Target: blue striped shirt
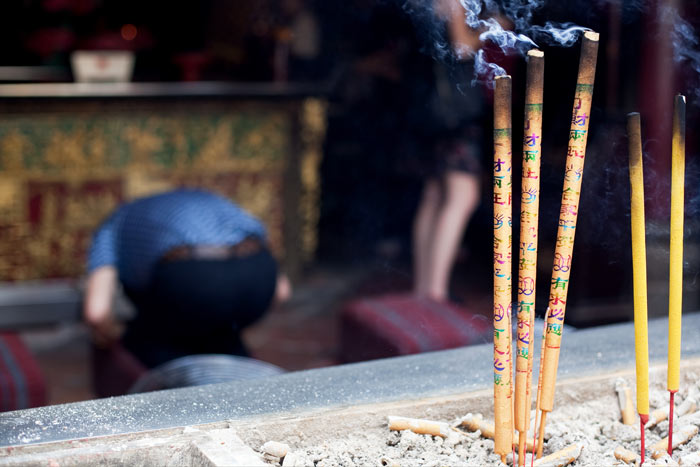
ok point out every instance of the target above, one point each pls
(137, 234)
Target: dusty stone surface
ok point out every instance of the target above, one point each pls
(586, 412)
(591, 418)
(213, 446)
(456, 375)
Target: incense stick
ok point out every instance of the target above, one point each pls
(502, 239)
(529, 215)
(684, 435)
(561, 458)
(561, 269)
(539, 439)
(474, 422)
(624, 397)
(675, 293)
(420, 426)
(639, 271)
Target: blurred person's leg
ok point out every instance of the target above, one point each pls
(462, 196)
(423, 234)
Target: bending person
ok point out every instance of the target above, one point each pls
(196, 267)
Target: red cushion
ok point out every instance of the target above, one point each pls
(21, 381)
(401, 324)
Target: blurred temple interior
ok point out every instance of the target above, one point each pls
(319, 117)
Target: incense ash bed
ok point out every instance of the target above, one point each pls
(585, 430)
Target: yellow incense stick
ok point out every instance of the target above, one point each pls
(639, 262)
(502, 285)
(675, 293)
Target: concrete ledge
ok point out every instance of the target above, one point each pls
(445, 373)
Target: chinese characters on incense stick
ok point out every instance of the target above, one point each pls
(502, 197)
(527, 269)
(563, 253)
(502, 292)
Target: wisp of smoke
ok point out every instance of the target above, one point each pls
(506, 40)
(482, 15)
(485, 69)
(685, 44)
(564, 35)
(488, 17)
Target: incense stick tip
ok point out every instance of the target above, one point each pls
(632, 114)
(591, 35)
(502, 77)
(535, 53)
(644, 418)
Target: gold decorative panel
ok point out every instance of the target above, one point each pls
(65, 168)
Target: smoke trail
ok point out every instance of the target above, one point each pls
(564, 35)
(686, 55)
(685, 45)
(524, 37)
(507, 24)
(489, 16)
(506, 40)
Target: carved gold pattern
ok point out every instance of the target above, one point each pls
(313, 130)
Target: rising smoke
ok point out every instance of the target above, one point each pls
(523, 36)
(521, 33)
(489, 17)
(685, 46)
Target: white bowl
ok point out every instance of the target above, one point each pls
(102, 65)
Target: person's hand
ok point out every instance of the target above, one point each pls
(97, 307)
(283, 289)
(105, 332)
